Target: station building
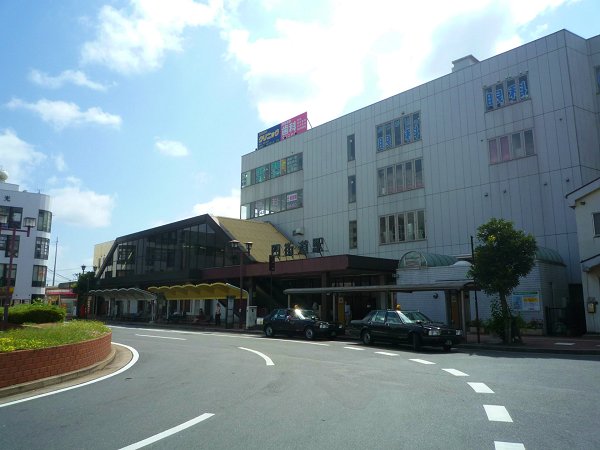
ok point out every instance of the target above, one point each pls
(378, 207)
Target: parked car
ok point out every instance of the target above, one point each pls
(304, 322)
(408, 327)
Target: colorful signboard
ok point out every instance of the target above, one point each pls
(293, 126)
(526, 301)
(289, 128)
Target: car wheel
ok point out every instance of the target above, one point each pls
(269, 332)
(309, 333)
(447, 348)
(366, 337)
(415, 341)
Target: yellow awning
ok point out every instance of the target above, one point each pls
(204, 291)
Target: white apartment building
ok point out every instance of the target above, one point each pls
(30, 257)
(506, 137)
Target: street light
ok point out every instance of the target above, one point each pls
(235, 244)
(29, 223)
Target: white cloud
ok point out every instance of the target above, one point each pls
(171, 148)
(75, 77)
(18, 157)
(320, 63)
(74, 205)
(220, 206)
(59, 162)
(136, 39)
(63, 114)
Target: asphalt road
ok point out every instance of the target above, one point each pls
(229, 391)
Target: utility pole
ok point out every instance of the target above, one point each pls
(55, 252)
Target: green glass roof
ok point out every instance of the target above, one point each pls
(549, 256)
(414, 259)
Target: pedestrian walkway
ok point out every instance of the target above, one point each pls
(584, 345)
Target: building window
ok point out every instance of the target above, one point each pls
(272, 205)
(400, 131)
(44, 222)
(596, 224)
(42, 248)
(400, 177)
(350, 147)
(14, 216)
(5, 244)
(39, 276)
(513, 146)
(402, 227)
(272, 170)
(512, 90)
(125, 254)
(352, 189)
(4, 274)
(353, 234)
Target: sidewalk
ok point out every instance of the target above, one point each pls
(585, 345)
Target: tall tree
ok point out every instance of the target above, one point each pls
(503, 256)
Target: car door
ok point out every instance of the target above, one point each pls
(377, 326)
(278, 321)
(395, 329)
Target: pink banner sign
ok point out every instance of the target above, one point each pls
(293, 126)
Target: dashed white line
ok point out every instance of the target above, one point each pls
(498, 445)
(456, 373)
(355, 348)
(422, 361)
(481, 388)
(564, 343)
(161, 337)
(268, 360)
(387, 353)
(169, 432)
(497, 413)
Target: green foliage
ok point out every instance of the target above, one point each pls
(504, 256)
(35, 313)
(35, 337)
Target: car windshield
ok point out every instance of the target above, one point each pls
(415, 316)
(306, 314)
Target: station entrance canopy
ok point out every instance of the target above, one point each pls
(204, 291)
(464, 285)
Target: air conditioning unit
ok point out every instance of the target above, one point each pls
(298, 231)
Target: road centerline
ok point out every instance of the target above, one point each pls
(268, 360)
(480, 388)
(456, 373)
(421, 361)
(497, 413)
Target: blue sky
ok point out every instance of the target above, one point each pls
(135, 113)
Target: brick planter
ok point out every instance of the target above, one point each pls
(23, 366)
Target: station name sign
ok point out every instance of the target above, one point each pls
(284, 130)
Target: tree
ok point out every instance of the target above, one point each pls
(502, 258)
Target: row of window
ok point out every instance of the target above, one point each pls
(38, 278)
(15, 218)
(400, 177)
(400, 131)
(511, 90)
(512, 146)
(272, 205)
(42, 246)
(272, 170)
(402, 227)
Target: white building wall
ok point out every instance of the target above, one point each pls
(461, 189)
(32, 203)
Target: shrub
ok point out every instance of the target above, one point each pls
(35, 313)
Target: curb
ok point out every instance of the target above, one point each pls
(526, 349)
(44, 382)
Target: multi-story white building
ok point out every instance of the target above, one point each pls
(506, 137)
(30, 257)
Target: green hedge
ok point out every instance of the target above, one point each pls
(36, 313)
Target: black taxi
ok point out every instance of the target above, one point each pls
(297, 321)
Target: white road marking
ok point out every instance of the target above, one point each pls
(481, 388)
(421, 361)
(169, 432)
(268, 360)
(354, 348)
(456, 373)
(135, 358)
(497, 413)
(564, 343)
(387, 353)
(161, 337)
(498, 445)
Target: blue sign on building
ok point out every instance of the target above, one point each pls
(269, 136)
